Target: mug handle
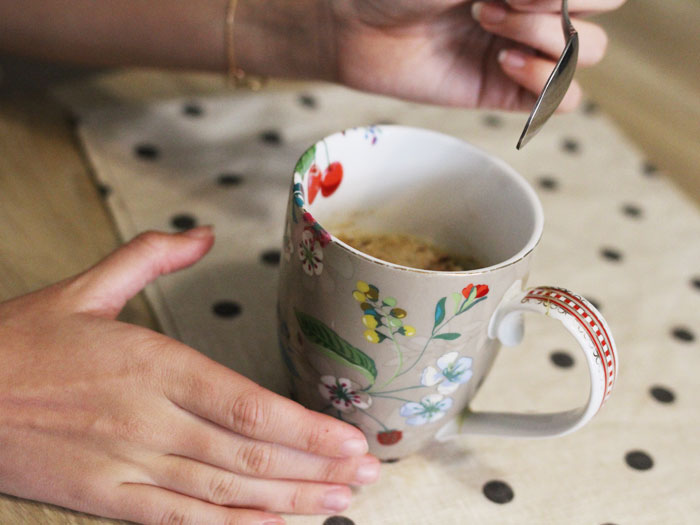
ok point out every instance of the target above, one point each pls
(591, 332)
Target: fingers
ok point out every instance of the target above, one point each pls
(221, 487)
(108, 285)
(216, 393)
(541, 31)
(154, 505)
(531, 73)
(575, 6)
(217, 446)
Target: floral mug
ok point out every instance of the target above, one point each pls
(400, 352)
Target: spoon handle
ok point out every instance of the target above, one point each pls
(566, 24)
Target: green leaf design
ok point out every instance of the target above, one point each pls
(456, 299)
(335, 347)
(305, 162)
(466, 306)
(468, 303)
(440, 311)
(450, 336)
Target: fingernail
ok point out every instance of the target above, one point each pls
(336, 499)
(511, 59)
(199, 232)
(274, 522)
(488, 13)
(367, 473)
(354, 447)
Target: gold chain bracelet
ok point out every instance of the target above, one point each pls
(236, 76)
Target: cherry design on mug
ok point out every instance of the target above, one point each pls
(389, 437)
(314, 183)
(332, 178)
(327, 182)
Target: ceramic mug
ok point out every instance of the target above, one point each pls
(400, 352)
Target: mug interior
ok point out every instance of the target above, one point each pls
(422, 183)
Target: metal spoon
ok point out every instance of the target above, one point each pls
(557, 83)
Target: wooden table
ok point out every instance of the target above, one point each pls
(53, 222)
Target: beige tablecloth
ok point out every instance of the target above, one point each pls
(616, 231)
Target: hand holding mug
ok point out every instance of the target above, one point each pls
(120, 421)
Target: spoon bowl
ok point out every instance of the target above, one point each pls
(557, 84)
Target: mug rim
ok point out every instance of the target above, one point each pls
(522, 183)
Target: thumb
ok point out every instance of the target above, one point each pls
(107, 286)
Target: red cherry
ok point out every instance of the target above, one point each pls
(389, 437)
(314, 183)
(332, 178)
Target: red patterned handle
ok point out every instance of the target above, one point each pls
(581, 313)
(593, 335)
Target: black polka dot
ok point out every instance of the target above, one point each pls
(649, 169)
(611, 254)
(632, 210)
(695, 282)
(271, 137)
(390, 460)
(562, 359)
(662, 394)
(308, 101)
(183, 221)
(146, 151)
(271, 257)
(548, 183)
(590, 108)
(229, 179)
(683, 334)
(493, 121)
(104, 190)
(595, 303)
(192, 109)
(639, 460)
(498, 492)
(570, 145)
(338, 520)
(226, 309)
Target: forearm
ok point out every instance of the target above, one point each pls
(271, 37)
(289, 38)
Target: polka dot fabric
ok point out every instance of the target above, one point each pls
(615, 228)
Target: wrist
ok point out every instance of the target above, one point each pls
(279, 38)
